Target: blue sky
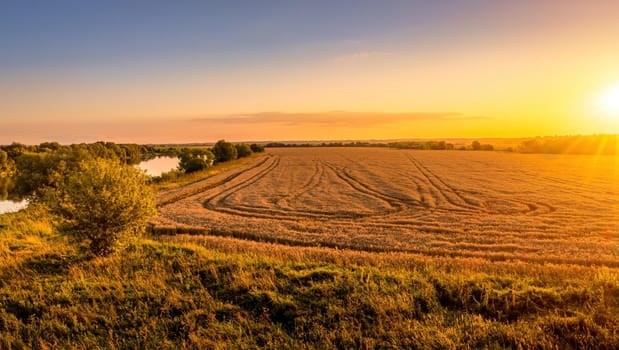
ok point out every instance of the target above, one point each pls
(40, 35)
(79, 61)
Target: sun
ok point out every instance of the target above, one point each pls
(608, 102)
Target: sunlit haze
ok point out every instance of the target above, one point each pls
(199, 71)
(609, 101)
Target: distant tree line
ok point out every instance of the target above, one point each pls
(478, 146)
(196, 159)
(422, 145)
(419, 145)
(127, 153)
(325, 144)
(590, 144)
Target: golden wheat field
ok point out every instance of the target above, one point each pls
(492, 205)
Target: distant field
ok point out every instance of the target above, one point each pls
(492, 205)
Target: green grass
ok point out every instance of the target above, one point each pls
(160, 294)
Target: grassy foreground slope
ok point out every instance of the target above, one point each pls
(213, 292)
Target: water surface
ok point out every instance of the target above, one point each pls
(159, 165)
(8, 206)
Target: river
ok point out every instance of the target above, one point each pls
(159, 165)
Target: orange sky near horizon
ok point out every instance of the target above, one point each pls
(543, 74)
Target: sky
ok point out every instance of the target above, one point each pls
(150, 71)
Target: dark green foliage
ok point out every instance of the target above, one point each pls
(15, 149)
(243, 150)
(423, 145)
(49, 146)
(194, 164)
(4, 159)
(6, 187)
(132, 153)
(6, 164)
(256, 148)
(195, 159)
(37, 172)
(224, 151)
(277, 145)
(325, 144)
(38, 168)
(477, 146)
(128, 153)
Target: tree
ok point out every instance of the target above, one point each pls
(133, 153)
(104, 203)
(5, 187)
(195, 159)
(194, 164)
(256, 148)
(36, 172)
(243, 150)
(224, 151)
(5, 163)
(477, 146)
(51, 146)
(15, 149)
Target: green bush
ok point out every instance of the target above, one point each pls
(256, 148)
(224, 151)
(243, 150)
(103, 202)
(5, 163)
(195, 159)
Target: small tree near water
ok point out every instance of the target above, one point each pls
(104, 203)
(224, 151)
(195, 159)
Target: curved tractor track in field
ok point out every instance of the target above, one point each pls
(450, 198)
(431, 203)
(220, 201)
(201, 186)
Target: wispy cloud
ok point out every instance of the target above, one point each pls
(333, 118)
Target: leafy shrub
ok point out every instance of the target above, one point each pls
(243, 150)
(256, 148)
(5, 163)
(103, 202)
(477, 146)
(224, 151)
(195, 159)
(37, 172)
(195, 164)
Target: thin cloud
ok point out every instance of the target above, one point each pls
(332, 118)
